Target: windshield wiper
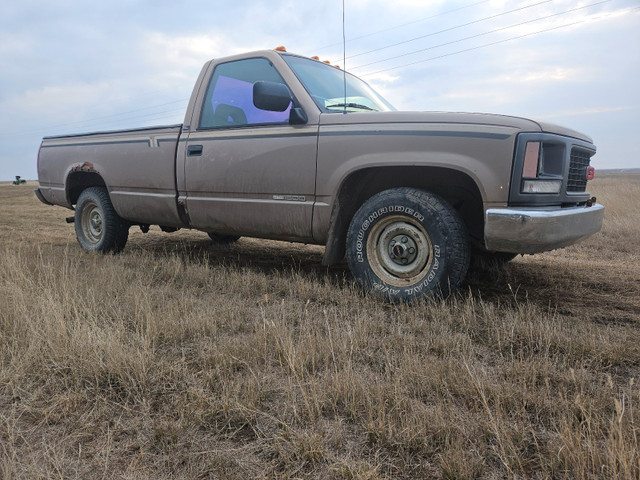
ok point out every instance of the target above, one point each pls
(351, 105)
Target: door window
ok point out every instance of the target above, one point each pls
(229, 98)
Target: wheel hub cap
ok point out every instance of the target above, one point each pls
(402, 250)
(92, 223)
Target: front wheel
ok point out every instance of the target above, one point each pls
(98, 227)
(405, 243)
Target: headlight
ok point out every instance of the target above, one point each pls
(541, 186)
(531, 169)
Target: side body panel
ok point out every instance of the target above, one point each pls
(253, 181)
(138, 167)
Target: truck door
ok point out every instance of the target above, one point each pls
(248, 171)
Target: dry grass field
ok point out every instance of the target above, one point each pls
(178, 359)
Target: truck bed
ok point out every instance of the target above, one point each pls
(137, 166)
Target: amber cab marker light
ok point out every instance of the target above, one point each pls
(280, 49)
(315, 57)
(531, 155)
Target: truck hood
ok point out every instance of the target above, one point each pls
(560, 130)
(488, 119)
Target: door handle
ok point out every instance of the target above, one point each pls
(194, 150)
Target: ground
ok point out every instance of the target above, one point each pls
(182, 359)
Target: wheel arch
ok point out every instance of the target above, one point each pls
(79, 180)
(458, 188)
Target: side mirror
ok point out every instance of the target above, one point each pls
(271, 96)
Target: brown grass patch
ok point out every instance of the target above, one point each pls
(181, 359)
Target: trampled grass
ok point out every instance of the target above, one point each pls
(182, 359)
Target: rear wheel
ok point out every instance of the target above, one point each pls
(405, 243)
(98, 227)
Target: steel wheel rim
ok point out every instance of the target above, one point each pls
(92, 223)
(399, 250)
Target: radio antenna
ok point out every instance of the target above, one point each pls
(344, 60)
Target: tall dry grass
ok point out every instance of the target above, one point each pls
(180, 359)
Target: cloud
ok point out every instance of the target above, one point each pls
(62, 101)
(171, 52)
(586, 111)
(74, 65)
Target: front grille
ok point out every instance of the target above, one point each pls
(577, 181)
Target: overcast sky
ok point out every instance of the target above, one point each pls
(74, 66)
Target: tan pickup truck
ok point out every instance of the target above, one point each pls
(275, 145)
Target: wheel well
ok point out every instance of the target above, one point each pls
(457, 188)
(78, 181)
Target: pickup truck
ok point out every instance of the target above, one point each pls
(280, 146)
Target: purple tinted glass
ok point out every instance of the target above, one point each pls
(238, 94)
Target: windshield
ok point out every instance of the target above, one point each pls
(325, 84)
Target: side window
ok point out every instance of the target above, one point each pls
(229, 99)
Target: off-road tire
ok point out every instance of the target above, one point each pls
(98, 227)
(406, 243)
(222, 239)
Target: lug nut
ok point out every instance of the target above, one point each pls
(412, 250)
(405, 261)
(405, 239)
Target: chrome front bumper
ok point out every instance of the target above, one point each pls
(522, 230)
